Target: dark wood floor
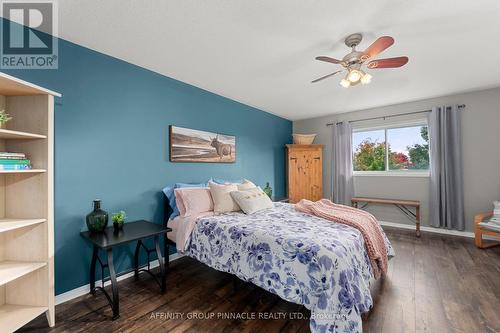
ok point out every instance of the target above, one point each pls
(435, 284)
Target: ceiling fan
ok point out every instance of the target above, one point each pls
(353, 61)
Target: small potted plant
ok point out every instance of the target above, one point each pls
(4, 118)
(118, 220)
(268, 190)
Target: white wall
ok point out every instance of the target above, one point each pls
(481, 154)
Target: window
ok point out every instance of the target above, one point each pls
(369, 150)
(396, 149)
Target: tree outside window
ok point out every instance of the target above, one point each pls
(407, 149)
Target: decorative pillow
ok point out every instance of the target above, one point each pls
(252, 200)
(169, 193)
(223, 202)
(193, 200)
(246, 185)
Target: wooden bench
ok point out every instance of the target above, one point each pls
(403, 205)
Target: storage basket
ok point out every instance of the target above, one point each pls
(303, 139)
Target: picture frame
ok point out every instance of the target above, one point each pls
(188, 145)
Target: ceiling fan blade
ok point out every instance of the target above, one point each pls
(388, 63)
(326, 76)
(328, 59)
(378, 46)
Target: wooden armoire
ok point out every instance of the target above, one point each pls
(304, 172)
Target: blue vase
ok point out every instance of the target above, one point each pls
(97, 220)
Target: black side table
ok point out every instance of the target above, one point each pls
(132, 231)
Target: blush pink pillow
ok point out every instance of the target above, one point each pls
(193, 200)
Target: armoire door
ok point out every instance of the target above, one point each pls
(304, 172)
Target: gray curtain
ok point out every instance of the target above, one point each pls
(343, 186)
(446, 207)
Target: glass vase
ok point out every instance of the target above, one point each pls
(97, 220)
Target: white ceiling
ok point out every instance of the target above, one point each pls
(261, 52)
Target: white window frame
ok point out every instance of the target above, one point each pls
(387, 172)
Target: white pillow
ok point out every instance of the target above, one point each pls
(223, 202)
(246, 185)
(252, 200)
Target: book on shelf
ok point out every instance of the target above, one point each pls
(490, 226)
(12, 161)
(494, 221)
(15, 167)
(12, 155)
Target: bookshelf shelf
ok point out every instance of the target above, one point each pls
(13, 224)
(23, 171)
(18, 135)
(11, 270)
(27, 206)
(13, 317)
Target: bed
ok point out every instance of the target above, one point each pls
(301, 258)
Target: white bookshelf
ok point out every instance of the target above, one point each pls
(27, 206)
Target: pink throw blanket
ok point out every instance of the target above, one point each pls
(365, 222)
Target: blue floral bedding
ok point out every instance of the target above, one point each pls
(301, 258)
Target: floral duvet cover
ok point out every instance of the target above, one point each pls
(301, 258)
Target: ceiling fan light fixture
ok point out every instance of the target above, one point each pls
(345, 83)
(354, 75)
(367, 78)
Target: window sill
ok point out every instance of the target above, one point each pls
(409, 174)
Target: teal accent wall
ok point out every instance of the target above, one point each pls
(111, 142)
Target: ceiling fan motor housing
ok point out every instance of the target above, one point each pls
(353, 58)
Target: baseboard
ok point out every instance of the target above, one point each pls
(77, 292)
(467, 234)
(429, 229)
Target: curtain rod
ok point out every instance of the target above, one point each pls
(390, 116)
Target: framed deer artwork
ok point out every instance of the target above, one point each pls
(190, 145)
